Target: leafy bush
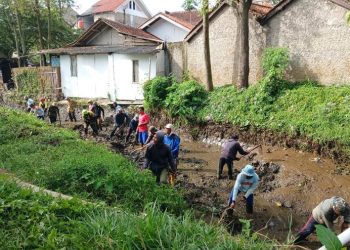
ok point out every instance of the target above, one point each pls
(186, 99)
(155, 92)
(36, 221)
(275, 62)
(58, 160)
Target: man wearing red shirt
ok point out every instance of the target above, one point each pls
(142, 128)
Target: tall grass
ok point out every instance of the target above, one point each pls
(34, 220)
(58, 160)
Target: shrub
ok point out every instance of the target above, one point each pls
(186, 99)
(155, 92)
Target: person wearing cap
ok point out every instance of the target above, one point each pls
(142, 128)
(132, 128)
(173, 141)
(120, 120)
(158, 158)
(229, 154)
(53, 112)
(325, 214)
(247, 181)
(89, 120)
(151, 132)
(71, 109)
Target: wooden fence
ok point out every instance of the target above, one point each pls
(43, 81)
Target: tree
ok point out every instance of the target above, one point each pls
(209, 76)
(27, 26)
(190, 5)
(243, 10)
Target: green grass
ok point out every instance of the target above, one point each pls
(37, 221)
(306, 109)
(58, 160)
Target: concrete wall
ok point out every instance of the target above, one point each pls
(167, 31)
(224, 49)
(177, 59)
(318, 38)
(103, 76)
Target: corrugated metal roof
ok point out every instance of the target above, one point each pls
(104, 50)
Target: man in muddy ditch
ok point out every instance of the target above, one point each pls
(247, 181)
(325, 214)
(229, 154)
(158, 158)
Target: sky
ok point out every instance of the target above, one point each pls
(154, 6)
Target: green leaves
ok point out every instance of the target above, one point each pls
(328, 238)
(155, 92)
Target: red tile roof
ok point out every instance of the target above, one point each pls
(187, 18)
(260, 9)
(106, 6)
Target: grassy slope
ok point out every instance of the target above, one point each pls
(57, 159)
(29, 221)
(320, 113)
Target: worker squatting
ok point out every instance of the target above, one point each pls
(162, 152)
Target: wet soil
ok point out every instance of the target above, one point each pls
(293, 182)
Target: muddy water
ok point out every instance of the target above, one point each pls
(302, 182)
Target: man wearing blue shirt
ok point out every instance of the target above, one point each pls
(173, 141)
(247, 181)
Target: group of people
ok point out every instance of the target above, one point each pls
(162, 151)
(247, 182)
(42, 109)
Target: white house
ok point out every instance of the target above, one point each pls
(129, 12)
(172, 26)
(110, 60)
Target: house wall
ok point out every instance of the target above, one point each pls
(317, 37)
(110, 37)
(106, 76)
(130, 18)
(167, 31)
(224, 49)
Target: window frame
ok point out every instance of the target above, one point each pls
(136, 71)
(73, 66)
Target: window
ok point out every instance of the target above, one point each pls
(135, 71)
(73, 66)
(132, 5)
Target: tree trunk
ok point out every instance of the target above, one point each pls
(40, 33)
(48, 4)
(12, 25)
(20, 29)
(60, 7)
(209, 77)
(243, 79)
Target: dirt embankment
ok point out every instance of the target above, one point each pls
(330, 149)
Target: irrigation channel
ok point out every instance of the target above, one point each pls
(292, 182)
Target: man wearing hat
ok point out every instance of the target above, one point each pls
(325, 214)
(173, 141)
(247, 181)
(158, 158)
